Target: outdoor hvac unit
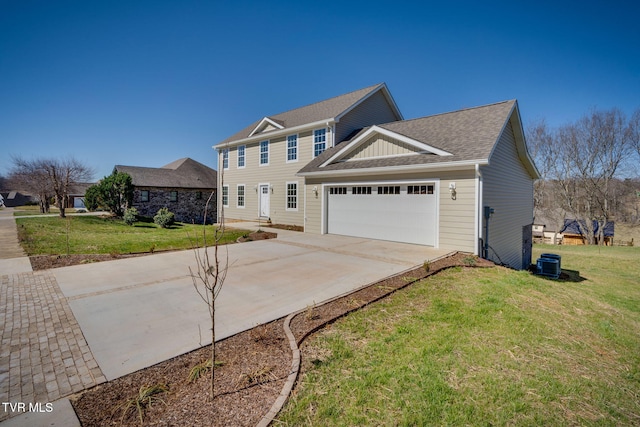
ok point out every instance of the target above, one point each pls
(548, 267)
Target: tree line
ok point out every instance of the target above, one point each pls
(589, 170)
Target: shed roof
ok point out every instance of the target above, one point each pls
(182, 173)
(573, 226)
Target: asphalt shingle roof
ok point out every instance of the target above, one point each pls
(324, 110)
(183, 173)
(468, 134)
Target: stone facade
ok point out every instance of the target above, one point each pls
(188, 205)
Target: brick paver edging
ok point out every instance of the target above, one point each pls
(43, 353)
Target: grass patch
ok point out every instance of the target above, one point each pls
(99, 235)
(486, 347)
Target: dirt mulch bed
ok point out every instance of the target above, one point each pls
(256, 364)
(44, 262)
(257, 235)
(287, 227)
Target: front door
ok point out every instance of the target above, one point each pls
(264, 201)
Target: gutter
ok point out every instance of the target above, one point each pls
(476, 214)
(383, 170)
(275, 133)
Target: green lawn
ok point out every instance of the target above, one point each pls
(485, 347)
(98, 235)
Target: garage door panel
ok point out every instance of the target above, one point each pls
(400, 217)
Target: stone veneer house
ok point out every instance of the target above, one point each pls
(351, 165)
(182, 186)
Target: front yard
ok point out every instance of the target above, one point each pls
(104, 235)
(485, 347)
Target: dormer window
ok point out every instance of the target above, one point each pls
(319, 141)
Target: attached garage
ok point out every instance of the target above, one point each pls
(400, 212)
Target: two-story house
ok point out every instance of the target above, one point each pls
(352, 165)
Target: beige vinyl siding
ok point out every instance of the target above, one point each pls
(373, 110)
(508, 188)
(277, 173)
(457, 217)
(381, 146)
(313, 207)
(456, 228)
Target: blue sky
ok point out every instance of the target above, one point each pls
(147, 82)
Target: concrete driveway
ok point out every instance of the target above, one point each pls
(140, 311)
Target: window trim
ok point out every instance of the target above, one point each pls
(225, 159)
(286, 201)
(296, 148)
(222, 195)
(173, 196)
(142, 197)
(244, 196)
(243, 157)
(313, 146)
(260, 153)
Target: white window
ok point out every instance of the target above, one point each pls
(292, 148)
(241, 150)
(338, 190)
(225, 196)
(264, 153)
(225, 159)
(240, 195)
(319, 141)
(292, 196)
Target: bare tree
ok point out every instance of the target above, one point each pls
(51, 177)
(28, 176)
(634, 133)
(582, 161)
(210, 275)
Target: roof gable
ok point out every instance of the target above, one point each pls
(266, 125)
(377, 142)
(463, 137)
(318, 113)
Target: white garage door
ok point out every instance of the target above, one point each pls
(396, 212)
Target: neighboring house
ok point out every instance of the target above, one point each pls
(547, 226)
(573, 232)
(75, 198)
(182, 186)
(351, 165)
(16, 198)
